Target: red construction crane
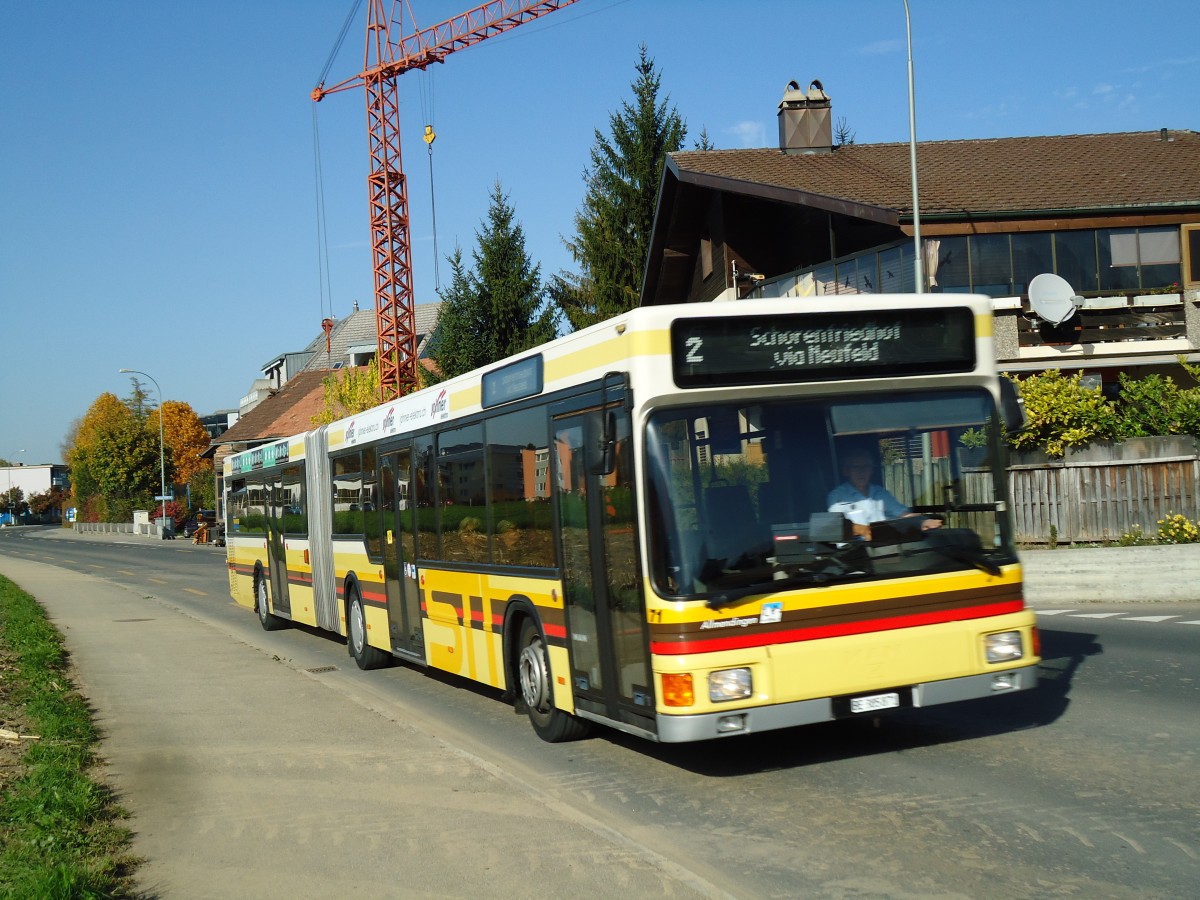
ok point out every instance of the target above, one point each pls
(385, 59)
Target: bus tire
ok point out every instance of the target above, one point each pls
(262, 606)
(366, 656)
(537, 690)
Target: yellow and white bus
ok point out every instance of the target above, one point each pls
(644, 524)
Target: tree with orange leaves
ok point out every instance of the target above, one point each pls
(185, 436)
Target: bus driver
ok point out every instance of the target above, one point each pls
(862, 501)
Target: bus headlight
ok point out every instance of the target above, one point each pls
(1004, 646)
(729, 684)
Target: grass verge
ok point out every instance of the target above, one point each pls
(60, 830)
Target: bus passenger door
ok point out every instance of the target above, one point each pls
(606, 621)
(276, 546)
(403, 598)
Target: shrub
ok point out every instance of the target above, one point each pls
(1177, 529)
(1134, 537)
(1063, 413)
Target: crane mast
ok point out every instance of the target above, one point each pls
(389, 54)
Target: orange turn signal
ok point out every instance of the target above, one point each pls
(677, 690)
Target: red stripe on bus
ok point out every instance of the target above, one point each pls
(373, 596)
(555, 631)
(734, 642)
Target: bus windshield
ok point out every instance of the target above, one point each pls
(749, 498)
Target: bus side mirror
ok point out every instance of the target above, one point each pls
(1012, 407)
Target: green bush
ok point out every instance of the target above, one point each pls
(1063, 413)
(1178, 529)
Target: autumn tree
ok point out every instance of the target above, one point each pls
(115, 465)
(612, 228)
(43, 503)
(12, 501)
(185, 437)
(348, 391)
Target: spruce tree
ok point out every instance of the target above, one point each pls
(613, 225)
(509, 285)
(498, 308)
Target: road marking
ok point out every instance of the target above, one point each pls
(1052, 612)
(1131, 842)
(196, 592)
(1194, 622)
(1150, 618)
(159, 581)
(1095, 615)
(127, 572)
(97, 566)
(1187, 850)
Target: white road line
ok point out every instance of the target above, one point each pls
(1150, 618)
(1194, 622)
(1052, 612)
(1095, 615)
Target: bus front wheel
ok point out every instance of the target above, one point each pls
(366, 656)
(533, 670)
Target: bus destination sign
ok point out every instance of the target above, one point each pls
(733, 350)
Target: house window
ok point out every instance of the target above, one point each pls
(1191, 255)
(706, 266)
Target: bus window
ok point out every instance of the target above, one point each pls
(254, 515)
(424, 502)
(519, 488)
(738, 509)
(295, 522)
(461, 494)
(347, 494)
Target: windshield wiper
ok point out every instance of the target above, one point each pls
(962, 548)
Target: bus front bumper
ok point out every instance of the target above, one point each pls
(676, 729)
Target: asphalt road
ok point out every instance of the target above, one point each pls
(1085, 788)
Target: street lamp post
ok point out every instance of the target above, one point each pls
(918, 262)
(162, 458)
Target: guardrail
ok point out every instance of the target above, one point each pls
(150, 530)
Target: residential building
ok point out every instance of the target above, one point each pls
(1115, 215)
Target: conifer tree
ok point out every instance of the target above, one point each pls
(498, 308)
(613, 225)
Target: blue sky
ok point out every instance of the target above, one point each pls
(157, 179)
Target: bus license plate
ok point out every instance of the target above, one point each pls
(873, 703)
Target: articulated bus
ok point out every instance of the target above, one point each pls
(645, 524)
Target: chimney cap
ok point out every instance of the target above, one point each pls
(794, 96)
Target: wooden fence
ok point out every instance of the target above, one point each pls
(1104, 491)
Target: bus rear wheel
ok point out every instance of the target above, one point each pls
(366, 656)
(533, 671)
(262, 606)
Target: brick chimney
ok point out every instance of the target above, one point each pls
(805, 120)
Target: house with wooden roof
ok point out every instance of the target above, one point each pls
(1115, 215)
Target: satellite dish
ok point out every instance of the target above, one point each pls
(1052, 298)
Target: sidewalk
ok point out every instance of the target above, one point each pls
(1169, 574)
(235, 790)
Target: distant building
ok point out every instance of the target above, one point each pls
(30, 480)
(290, 392)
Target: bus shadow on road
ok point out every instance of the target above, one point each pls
(1063, 653)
